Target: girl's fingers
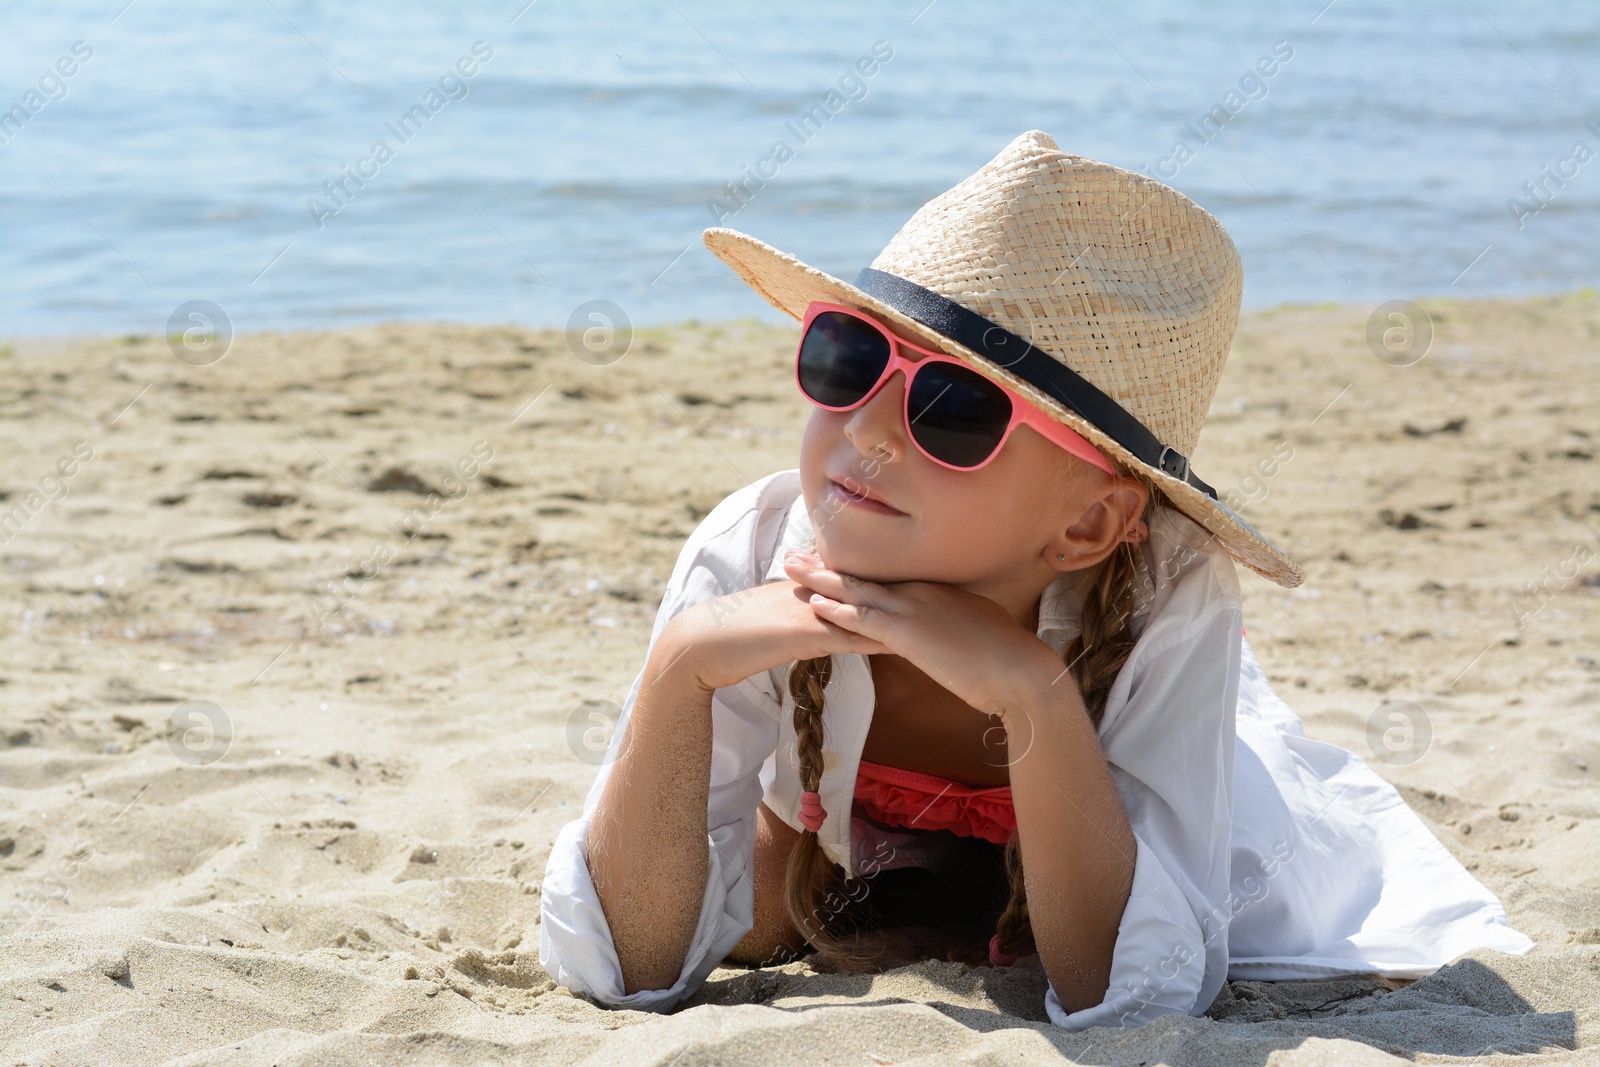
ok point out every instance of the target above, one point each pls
(859, 618)
(860, 642)
(834, 585)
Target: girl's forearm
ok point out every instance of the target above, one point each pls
(1077, 847)
(647, 841)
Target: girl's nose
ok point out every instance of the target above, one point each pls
(878, 427)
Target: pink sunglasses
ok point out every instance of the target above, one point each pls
(962, 418)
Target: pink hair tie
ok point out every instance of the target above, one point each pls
(811, 813)
(998, 958)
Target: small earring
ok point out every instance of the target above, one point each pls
(1060, 556)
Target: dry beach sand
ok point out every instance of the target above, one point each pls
(347, 870)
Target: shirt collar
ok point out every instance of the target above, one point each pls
(797, 534)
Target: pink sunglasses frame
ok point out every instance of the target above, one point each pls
(1023, 411)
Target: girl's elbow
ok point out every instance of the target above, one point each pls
(1079, 989)
(655, 977)
(1080, 975)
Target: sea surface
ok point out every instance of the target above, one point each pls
(230, 153)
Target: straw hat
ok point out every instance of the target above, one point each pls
(1106, 298)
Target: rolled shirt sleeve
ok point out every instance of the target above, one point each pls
(575, 944)
(1168, 735)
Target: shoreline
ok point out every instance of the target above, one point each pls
(44, 341)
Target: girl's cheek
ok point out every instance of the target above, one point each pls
(824, 439)
(815, 446)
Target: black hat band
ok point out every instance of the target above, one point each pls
(1022, 358)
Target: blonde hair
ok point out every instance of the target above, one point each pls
(1095, 657)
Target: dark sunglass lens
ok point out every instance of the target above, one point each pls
(840, 359)
(957, 414)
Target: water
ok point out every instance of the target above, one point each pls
(581, 156)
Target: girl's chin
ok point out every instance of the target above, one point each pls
(872, 562)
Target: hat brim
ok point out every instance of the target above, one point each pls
(790, 286)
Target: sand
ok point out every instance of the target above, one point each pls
(342, 863)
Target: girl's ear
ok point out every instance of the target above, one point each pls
(1111, 514)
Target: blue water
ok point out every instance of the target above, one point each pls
(580, 158)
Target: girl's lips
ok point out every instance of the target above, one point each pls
(863, 502)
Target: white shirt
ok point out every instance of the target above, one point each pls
(1260, 853)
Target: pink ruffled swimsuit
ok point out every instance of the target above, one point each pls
(917, 801)
(894, 797)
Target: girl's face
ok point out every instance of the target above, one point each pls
(995, 531)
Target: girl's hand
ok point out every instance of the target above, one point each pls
(967, 643)
(722, 642)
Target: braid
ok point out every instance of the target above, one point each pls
(1105, 635)
(1013, 929)
(1095, 657)
(810, 870)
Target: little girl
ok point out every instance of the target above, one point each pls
(971, 683)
